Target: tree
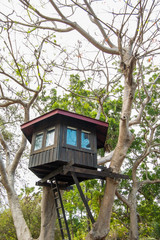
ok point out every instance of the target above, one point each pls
(129, 34)
(127, 189)
(144, 150)
(30, 205)
(22, 79)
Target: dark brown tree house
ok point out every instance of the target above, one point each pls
(64, 151)
(61, 137)
(62, 142)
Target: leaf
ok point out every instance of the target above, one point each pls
(38, 88)
(31, 30)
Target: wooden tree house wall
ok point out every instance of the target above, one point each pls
(60, 137)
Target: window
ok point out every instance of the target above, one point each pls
(71, 136)
(38, 141)
(50, 137)
(85, 140)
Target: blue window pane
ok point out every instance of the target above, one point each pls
(38, 142)
(71, 137)
(85, 140)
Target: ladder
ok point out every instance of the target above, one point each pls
(60, 210)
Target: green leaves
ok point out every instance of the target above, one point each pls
(7, 230)
(18, 71)
(78, 220)
(31, 30)
(30, 203)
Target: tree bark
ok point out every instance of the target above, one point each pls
(22, 230)
(48, 215)
(102, 226)
(133, 234)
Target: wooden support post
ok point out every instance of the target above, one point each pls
(52, 174)
(82, 196)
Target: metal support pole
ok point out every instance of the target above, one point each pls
(82, 196)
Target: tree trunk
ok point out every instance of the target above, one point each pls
(22, 230)
(102, 226)
(48, 215)
(133, 234)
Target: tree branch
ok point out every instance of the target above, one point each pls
(97, 22)
(144, 103)
(74, 25)
(15, 80)
(17, 157)
(123, 199)
(6, 149)
(10, 101)
(148, 181)
(105, 159)
(3, 173)
(21, 149)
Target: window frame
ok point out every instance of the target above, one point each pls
(90, 139)
(72, 128)
(79, 137)
(34, 142)
(45, 140)
(44, 133)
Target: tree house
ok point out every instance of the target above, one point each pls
(61, 137)
(64, 151)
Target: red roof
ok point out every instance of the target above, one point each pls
(101, 127)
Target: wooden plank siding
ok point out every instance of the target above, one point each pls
(43, 157)
(77, 157)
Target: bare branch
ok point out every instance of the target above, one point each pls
(6, 149)
(105, 159)
(3, 173)
(123, 199)
(17, 157)
(15, 80)
(74, 25)
(145, 102)
(106, 38)
(148, 181)
(10, 101)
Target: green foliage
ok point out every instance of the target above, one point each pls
(7, 229)
(149, 209)
(78, 220)
(78, 98)
(30, 203)
(84, 101)
(31, 208)
(117, 231)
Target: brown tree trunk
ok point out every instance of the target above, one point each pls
(22, 230)
(102, 226)
(133, 234)
(48, 215)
